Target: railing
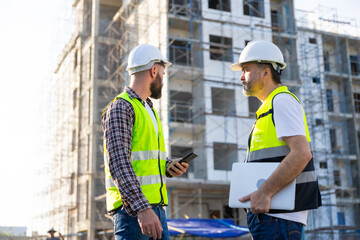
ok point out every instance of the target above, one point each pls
(179, 53)
(180, 111)
(186, 8)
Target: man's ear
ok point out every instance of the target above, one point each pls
(153, 71)
(267, 73)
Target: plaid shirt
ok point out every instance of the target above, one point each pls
(117, 124)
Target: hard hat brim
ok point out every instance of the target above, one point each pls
(153, 61)
(235, 67)
(147, 66)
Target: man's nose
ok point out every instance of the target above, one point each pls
(242, 77)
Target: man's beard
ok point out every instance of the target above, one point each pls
(155, 87)
(251, 88)
(248, 90)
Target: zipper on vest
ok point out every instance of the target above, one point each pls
(159, 164)
(252, 130)
(159, 161)
(249, 142)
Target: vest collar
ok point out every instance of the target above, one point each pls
(269, 99)
(132, 94)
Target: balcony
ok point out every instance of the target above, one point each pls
(180, 52)
(180, 111)
(182, 118)
(184, 8)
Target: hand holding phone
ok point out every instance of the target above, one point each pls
(188, 158)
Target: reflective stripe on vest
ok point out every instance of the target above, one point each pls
(151, 179)
(280, 152)
(269, 153)
(148, 158)
(305, 177)
(145, 155)
(109, 183)
(143, 180)
(265, 147)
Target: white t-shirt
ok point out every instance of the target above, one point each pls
(289, 121)
(153, 118)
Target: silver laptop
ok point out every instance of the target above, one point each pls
(248, 177)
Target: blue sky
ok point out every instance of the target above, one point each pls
(27, 47)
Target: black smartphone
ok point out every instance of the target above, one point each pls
(188, 158)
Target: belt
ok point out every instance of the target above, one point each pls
(112, 212)
(158, 204)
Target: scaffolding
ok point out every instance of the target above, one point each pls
(202, 108)
(325, 18)
(327, 95)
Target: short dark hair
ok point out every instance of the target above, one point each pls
(276, 77)
(162, 63)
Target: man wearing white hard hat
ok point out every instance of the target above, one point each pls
(52, 235)
(280, 134)
(134, 151)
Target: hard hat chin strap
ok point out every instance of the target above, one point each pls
(278, 69)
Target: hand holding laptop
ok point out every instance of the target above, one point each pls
(260, 201)
(246, 180)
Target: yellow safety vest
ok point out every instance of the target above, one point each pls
(264, 146)
(148, 158)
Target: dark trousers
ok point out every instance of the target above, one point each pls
(263, 227)
(128, 228)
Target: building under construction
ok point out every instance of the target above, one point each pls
(202, 108)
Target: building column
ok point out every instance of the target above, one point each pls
(92, 205)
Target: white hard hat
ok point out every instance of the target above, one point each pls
(263, 52)
(143, 57)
